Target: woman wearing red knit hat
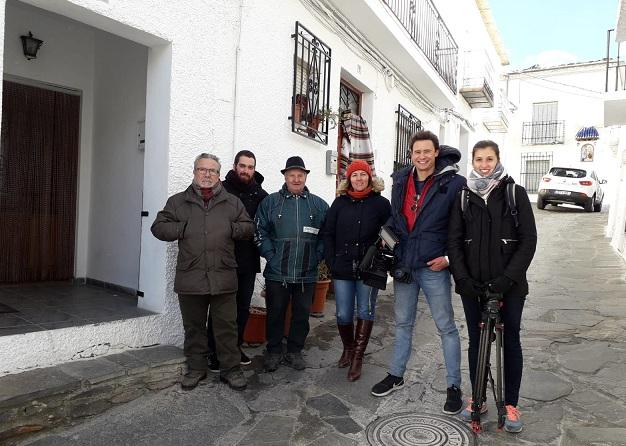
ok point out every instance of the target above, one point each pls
(352, 225)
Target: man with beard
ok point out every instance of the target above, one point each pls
(244, 182)
(206, 220)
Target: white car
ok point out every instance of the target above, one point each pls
(570, 185)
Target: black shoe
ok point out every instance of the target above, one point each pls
(244, 359)
(390, 384)
(295, 361)
(192, 378)
(271, 361)
(454, 401)
(214, 364)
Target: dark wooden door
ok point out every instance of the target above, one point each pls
(38, 181)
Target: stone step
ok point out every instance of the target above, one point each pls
(50, 397)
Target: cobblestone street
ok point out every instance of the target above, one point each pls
(573, 390)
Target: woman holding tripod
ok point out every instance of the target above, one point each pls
(492, 240)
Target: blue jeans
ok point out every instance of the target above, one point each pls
(436, 286)
(345, 292)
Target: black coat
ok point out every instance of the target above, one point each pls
(484, 243)
(250, 194)
(351, 227)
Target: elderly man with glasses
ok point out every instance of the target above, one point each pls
(206, 220)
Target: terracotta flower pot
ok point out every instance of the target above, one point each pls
(254, 332)
(319, 298)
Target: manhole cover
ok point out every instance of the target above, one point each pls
(413, 429)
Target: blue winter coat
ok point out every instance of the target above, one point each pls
(287, 234)
(429, 237)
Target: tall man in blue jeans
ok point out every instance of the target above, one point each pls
(421, 199)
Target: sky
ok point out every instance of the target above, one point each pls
(553, 32)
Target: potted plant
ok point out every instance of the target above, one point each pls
(314, 120)
(300, 109)
(321, 288)
(254, 333)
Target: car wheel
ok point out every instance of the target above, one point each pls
(590, 204)
(540, 203)
(597, 207)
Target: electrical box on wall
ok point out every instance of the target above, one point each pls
(331, 162)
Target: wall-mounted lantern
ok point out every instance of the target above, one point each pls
(30, 46)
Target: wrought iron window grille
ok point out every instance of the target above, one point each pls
(543, 132)
(534, 165)
(310, 110)
(406, 126)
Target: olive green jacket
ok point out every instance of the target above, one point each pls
(206, 239)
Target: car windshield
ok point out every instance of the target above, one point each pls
(564, 172)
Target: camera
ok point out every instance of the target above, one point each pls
(379, 259)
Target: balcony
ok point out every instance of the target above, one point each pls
(543, 132)
(427, 29)
(477, 92)
(496, 121)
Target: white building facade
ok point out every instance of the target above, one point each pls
(550, 107)
(159, 82)
(615, 120)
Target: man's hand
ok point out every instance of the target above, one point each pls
(438, 263)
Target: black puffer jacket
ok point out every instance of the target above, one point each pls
(250, 194)
(351, 227)
(484, 243)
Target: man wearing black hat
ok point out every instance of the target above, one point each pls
(288, 224)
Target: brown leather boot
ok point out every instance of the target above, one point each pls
(347, 338)
(363, 332)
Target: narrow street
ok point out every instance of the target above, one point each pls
(573, 391)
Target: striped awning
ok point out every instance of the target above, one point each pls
(587, 134)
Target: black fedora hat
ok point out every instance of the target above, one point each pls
(294, 162)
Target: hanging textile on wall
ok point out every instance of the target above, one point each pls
(355, 142)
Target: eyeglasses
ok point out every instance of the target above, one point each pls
(204, 171)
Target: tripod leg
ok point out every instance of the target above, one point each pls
(482, 371)
(500, 375)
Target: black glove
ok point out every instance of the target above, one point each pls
(469, 287)
(501, 284)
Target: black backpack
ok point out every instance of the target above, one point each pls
(509, 196)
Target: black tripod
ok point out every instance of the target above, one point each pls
(491, 328)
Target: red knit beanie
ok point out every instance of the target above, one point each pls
(359, 165)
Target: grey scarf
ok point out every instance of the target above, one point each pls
(482, 186)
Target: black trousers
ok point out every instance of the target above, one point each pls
(193, 309)
(244, 296)
(277, 299)
(511, 313)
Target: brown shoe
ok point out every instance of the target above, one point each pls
(235, 378)
(347, 338)
(363, 332)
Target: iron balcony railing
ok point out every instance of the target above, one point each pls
(428, 30)
(543, 132)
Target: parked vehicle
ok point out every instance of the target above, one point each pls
(569, 185)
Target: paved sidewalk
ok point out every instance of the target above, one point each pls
(573, 390)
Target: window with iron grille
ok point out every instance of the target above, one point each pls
(406, 126)
(534, 166)
(311, 86)
(544, 128)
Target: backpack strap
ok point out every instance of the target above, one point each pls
(464, 200)
(510, 201)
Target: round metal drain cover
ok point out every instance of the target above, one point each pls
(414, 429)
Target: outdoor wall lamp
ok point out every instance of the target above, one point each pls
(30, 46)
